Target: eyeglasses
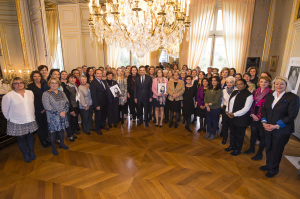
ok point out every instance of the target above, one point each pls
(188, 79)
(19, 83)
(53, 83)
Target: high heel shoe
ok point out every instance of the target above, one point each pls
(249, 151)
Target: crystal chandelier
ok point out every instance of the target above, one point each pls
(141, 26)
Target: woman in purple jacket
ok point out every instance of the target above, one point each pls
(205, 83)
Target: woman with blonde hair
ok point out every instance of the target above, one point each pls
(122, 82)
(18, 109)
(56, 105)
(278, 114)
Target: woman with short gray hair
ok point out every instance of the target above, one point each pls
(85, 105)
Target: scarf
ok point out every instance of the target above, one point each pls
(229, 91)
(77, 93)
(260, 95)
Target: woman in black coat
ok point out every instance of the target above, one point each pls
(113, 101)
(278, 115)
(38, 87)
(130, 92)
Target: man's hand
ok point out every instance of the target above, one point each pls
(135, 100)
(150, 100)
(98, 108)
(128, 95)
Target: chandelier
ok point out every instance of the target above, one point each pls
(141, 26)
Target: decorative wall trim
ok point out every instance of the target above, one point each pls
(23, 42)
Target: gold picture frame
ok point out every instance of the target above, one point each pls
(273, 63)
(297, 13)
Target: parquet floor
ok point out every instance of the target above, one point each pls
(140, 163)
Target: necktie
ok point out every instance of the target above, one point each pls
(103, 84)
(143, 80)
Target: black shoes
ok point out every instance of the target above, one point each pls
(115, 125)
(257, 157)
(139, 124)
(270, 174)
(171, 124)
(229, 149)
(249, 151)
(224, 141)
(188, 128)
(77, 132)
(109, 125)
(175, 125)
(264, 168)
(146, 124)
(235, 153)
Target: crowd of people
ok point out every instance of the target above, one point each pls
(52, 102)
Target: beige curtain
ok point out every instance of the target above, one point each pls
(154, 58)
(144, 60)
(113, 53)
(201, 16)
(237, 24)
(52, 26)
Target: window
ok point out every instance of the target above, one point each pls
(58, 62)
(163, 58)
(214, 53)
(128, 58)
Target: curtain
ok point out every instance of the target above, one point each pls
(237, 24)
(144, 60)
(52, 26)
(113, 53)
(201, 17)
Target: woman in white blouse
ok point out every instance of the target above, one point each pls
(18, 109)
(227, 91)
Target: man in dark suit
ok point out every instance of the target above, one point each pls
(98, 90)
(143, 94)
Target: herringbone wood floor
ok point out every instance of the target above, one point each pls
(140, 163)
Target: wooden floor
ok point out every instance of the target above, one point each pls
(140, 163)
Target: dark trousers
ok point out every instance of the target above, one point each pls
(225, 124)
(255, 133)
(275, 143)
(213, 120)
(73, 122)
(100, 117)
(151, 112)
(132, 105)
(42, 132)
(26, 146)
(188, 120)
(87, 119)
(237, 135)
(140, 105)
(167, 109)
(123, 110)
(113, 110)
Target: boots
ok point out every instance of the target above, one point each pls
(62, 138)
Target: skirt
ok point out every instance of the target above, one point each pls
(157, 104)
(175, 106)
(200, 112)
(21, 129)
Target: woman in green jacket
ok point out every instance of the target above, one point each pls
(212, 100)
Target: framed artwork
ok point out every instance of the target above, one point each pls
(115, 90)
(161, 88)
(273, 63)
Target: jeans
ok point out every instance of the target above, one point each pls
(213, 120)
(26, 145)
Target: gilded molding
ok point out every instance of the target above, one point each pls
(4, 48)
(21, 29)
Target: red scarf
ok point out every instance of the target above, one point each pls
(260, 95)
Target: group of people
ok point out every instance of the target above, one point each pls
(52, 102)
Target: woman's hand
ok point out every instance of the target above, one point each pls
(128, 95)
(202, 107)
(208, 109)
(62, 114)
(270, 127)
(43, 111)
(159, 94)
(86, 107)
(73, 113)
(174, 96)
(255, 118)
